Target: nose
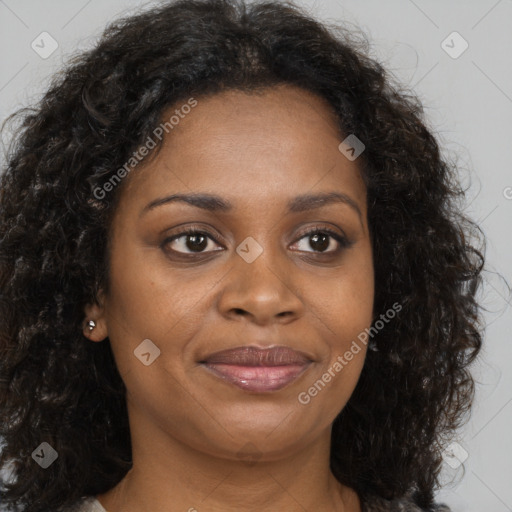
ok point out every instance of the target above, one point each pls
(263, 291)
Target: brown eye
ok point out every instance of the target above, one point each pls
(189, 241)
(193, 241)
(321, 239)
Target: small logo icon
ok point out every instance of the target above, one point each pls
(454, 45)
(44, 45)
(249, 453)
(44, 455)
(147, 352)
(454, 455)
(351, 147)
(249, 249)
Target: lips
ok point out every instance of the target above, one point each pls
(253, 356)
(258, 370)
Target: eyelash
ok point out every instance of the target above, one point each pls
(343, 242)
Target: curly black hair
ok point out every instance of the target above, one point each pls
(415, 389)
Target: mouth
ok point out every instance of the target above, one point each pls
(258, 370)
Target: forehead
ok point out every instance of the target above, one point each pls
(275, 143)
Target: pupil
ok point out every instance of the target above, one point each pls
(195, 245)
(325, 243)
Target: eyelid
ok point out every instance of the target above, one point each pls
(320, 227)
(179, 231)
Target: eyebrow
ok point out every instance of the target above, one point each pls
(213, 203)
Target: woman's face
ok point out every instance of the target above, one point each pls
(251, 277)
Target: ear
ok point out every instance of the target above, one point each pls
(96, 311)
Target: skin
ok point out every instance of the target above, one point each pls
(187, 425)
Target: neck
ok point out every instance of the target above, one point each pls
(168, 475)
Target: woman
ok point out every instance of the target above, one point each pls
(233, 276)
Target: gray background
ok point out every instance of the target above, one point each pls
(468, 103)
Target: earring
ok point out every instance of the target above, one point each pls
(373, 346)
(91, 324)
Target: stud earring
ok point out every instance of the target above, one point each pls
(373, 346)
(91, 324)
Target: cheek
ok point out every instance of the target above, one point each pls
(347, 304)
(343, 320)
(149, 300)
(346, 315)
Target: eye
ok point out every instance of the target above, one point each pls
(320, 239)
(191, 239)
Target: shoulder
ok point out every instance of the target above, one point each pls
(405, 504)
